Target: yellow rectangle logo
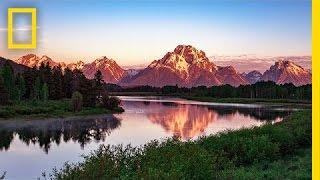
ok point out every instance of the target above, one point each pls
(33, 44)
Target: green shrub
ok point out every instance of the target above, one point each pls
(6, 113)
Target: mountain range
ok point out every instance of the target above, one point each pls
(260, 63)
(185, 66)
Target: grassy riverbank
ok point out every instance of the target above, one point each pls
(273, 151)
(290, 102)
(48, 109)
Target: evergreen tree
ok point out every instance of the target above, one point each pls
(46, 74)
(98, 79)
(44, 92)
(77, 101)
(37, 89)
(67, 82)
(8, 79)
(56, 89)
(98, 83)
(85, 87)
(21, 87)
(4, 95)
(89, 92)
(29, 80)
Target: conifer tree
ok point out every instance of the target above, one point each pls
(44, 92)
(67, 82)
(98, 83)
(20, 86)
(8, 79)
(37, 89)
(56, 88)
(4, 95)
(29, 80)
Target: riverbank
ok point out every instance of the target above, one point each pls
(293, 102)
(281, 150)
(49, 109)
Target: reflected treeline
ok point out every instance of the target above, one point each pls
(257, 113)
(46, 132)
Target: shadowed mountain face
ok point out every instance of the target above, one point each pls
(17, 68)
(253, 76)
(46, 132)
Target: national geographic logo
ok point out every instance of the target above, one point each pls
(11, 13)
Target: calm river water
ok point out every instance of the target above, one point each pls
(28, 148)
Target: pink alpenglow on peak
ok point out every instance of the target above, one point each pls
(32, 60)
(186, 66)
(111, 71)
(283, 72)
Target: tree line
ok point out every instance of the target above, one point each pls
(48, 83)
(267, 90)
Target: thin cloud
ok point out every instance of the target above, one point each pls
(25, 28)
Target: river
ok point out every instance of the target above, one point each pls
(28, 148)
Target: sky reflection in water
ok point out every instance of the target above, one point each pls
(49, 143)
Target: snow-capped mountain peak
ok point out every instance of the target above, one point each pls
(32, 60)
(287, 72)
(111, 71)
(78, 65)
(186, 66)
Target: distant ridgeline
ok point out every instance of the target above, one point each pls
(267, 90)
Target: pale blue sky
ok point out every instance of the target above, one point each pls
(137, 32)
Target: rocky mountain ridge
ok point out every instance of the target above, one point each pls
(184, 66)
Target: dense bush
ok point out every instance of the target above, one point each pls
(224, 156)
(77, 101)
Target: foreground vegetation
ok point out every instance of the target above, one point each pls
(273, 151)
(50, 109)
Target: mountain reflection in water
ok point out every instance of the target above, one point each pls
(45, 132)
(144, 119)
(188, 121)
